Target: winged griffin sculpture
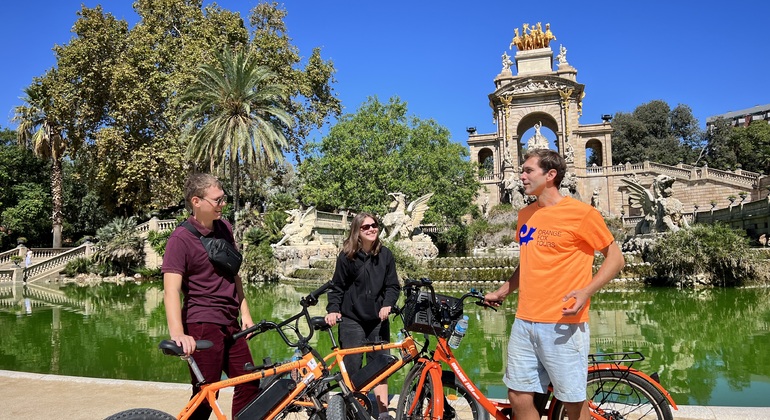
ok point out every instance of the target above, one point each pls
(402, 220)
(299, 227)
(661, 211)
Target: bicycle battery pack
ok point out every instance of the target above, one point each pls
(267, 400)
(373, 368)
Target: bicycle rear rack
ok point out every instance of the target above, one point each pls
(619, 358)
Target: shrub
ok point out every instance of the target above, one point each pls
(158, 240)
(713, 255)
(77, 266)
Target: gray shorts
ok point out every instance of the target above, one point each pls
(543, 353)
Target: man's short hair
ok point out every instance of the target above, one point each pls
(549, 159)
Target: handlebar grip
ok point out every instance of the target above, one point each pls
(262, 326)
(312, 298)
(245, 332)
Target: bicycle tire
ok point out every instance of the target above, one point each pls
(336, 409)
(141, 414)
(424, 407)
(622, 395)
(458, 402)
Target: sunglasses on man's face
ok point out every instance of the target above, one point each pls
(370, 226)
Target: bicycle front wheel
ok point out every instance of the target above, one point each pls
(458, 402)
(141, 414)
(407, 407)
(617, 394)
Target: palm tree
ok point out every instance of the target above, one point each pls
(120, 246)
(237, 115)
(37, 129)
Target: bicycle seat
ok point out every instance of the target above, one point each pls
(169, 347)
(319, 323)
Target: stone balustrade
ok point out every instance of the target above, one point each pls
(58, 261)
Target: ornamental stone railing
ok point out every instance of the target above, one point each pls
(57, 262)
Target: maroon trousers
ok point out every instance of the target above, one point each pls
(225, 356)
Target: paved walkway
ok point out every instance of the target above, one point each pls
(40, 396)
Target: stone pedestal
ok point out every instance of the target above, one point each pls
(538, 61)
(419, 248)
(291, 258)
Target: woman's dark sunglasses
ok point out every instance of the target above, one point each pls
(370, 226)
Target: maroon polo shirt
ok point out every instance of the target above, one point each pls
(208, 297)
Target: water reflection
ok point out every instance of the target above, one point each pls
(709, 346)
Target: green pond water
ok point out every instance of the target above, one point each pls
(710, 347)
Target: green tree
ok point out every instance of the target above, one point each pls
(18, 165)
(236, 115)
(656, 133)
(38, 128)
(29, 217)
(313, 100)
(380, 150)
(754, 146)
(721, 151)
(113, 90)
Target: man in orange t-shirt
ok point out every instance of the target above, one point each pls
(549, 340)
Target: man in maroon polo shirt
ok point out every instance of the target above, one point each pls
(212, 300)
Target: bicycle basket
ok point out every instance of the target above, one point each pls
(419, 316)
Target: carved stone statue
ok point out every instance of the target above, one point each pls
(506, 61)
(402, 220)
(513, 191)
(562, 56)
(537, 141)
(661, 211)
(299, 228)
(507, 159)
(568, 187)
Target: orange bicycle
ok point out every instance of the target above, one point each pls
(278, 391)
(296, 389)
(615, 390)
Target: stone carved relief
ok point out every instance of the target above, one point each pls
(403, 220)
(661, 211)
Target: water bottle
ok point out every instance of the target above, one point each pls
(294, 358)
(400, 337)
(460, 328)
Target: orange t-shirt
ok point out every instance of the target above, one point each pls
(557, 245)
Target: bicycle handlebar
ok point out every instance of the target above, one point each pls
(310, 300)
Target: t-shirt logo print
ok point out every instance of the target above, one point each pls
(526, 234)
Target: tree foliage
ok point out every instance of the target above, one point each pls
(380, 150)
(23, 176)
(656, 133)
(113, 88)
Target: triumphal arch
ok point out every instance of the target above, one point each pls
(536, 96)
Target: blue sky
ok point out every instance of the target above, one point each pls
(441, 57)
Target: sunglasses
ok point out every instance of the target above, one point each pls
(370, 226)
(221, 201)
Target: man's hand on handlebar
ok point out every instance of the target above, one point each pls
(332, 318)
(492, 300)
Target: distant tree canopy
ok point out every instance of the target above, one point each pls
(380, 150)
(657, 133)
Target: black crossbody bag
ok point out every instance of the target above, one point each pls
(221, 253)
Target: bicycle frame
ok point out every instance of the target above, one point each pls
(313, 369)
(407, 349)
(443, 355)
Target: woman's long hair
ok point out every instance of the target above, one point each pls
(353, 242)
